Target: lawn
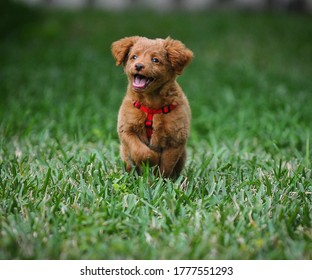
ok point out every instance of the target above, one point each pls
(246, 190)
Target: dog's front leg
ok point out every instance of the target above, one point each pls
(172, 161)
(134, 151)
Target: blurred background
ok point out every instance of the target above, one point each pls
(298, 5)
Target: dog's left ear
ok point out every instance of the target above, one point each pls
(121, 48)
(178, 55)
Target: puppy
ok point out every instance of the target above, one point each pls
(154, 117)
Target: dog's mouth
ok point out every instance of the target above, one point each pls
(141, 82)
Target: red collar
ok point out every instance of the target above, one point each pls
(150, 113)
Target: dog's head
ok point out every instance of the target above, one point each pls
(151, 63)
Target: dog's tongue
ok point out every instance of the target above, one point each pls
(139, 81)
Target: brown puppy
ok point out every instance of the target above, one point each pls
(154, 117)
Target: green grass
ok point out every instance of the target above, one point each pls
(246, 190)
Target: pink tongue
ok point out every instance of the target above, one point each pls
(139, 82)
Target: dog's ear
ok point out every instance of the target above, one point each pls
(121, 48)
(178, 55)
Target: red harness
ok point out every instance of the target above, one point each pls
(150, 114)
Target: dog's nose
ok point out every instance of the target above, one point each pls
(139, 66)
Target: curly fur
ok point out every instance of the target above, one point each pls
(152, 67)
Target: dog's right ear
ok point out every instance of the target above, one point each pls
(121, 48)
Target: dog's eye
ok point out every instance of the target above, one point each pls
(155, 59)
(134, 57)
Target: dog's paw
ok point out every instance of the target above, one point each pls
(151, 157)
(146, 155)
